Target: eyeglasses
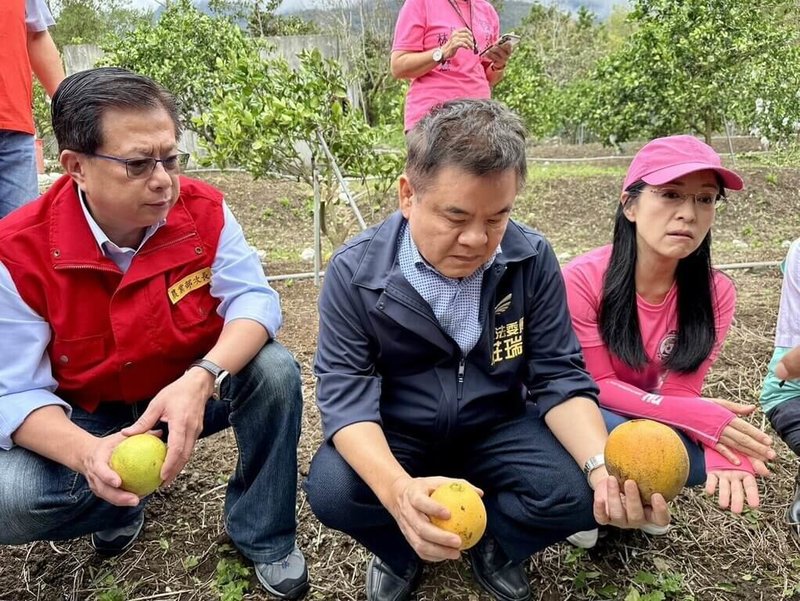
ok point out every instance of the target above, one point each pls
(144, 167)
(673, 197)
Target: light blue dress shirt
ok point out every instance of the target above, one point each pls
(37, 15)
(455, 302)
(26, 379)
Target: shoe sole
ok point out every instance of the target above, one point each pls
(298, 592)
(490, 589)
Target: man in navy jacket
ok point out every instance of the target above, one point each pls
(446, 351)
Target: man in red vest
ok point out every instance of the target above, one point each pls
(130, 301)
(26, 46)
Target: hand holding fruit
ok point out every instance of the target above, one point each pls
(181, 405)
(413, 509)
(104, 481)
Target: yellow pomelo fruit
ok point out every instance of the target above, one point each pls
(138, 460)
(467, 513)
(649, 453)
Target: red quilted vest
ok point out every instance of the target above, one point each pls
(117, 337)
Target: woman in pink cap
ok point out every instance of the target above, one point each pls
(651, 315)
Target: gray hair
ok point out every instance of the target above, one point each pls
(476, 136)
(82, 98)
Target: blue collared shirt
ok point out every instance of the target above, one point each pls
(456, 302)
(37, 15)
(26, 378)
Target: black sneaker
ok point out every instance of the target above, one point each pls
(114, 541)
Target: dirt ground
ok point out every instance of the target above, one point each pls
(709, 554)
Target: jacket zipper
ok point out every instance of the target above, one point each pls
(462, 365)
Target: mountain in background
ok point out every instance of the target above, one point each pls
(383, 13)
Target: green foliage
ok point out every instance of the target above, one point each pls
(260, 17)
(182, 52)
(232, 579)
(695, 65)
(93, 21)
(655, 587)
(41, 111)
(266, 117)
(557, 49)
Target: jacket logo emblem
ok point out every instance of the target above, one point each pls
(503, 305)
(193, 281)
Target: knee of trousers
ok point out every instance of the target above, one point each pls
(35, 496)
(333, 489)
(568, 506)
(273, 376)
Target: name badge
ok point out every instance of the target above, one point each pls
(193, 281)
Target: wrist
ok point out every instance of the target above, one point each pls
(202, 378)
(597, 477)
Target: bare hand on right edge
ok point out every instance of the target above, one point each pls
(105, 482)
(411, 506)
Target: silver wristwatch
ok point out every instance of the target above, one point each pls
(438, 55)
(220, 375)
(592, 464)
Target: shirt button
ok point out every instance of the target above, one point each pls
(127, 364)
(63, 359)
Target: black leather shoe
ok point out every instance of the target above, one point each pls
(792, 516)
(384, 585)
(502, 579)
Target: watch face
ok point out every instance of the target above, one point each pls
(437, 55)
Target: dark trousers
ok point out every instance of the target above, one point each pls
(785, 419)
(534, 492)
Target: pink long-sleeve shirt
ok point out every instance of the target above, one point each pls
(653, 392)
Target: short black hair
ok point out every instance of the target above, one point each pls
(477, 136)
(82, 98)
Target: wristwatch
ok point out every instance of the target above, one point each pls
(220, 375)
(592, 464)
(438, 55)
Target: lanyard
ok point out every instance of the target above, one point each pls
(464, 21)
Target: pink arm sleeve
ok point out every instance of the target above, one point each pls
(701, 420)
(679, 404)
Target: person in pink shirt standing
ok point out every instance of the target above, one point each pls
(651, 315)
(447, 49)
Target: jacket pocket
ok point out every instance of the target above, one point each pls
(77, 354)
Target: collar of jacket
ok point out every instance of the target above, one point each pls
(376, 265)
(70, 250)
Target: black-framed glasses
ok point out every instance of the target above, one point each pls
(143, 167)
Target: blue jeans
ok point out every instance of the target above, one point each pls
(19, 182)
(43, 500)
(697, 458)
(535, 494)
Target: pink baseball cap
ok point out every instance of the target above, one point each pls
(665, 159)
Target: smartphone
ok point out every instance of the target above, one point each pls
(506, 38)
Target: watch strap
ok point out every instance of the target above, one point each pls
(594, 462)
(219, 374)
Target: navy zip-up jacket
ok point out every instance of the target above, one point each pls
(383, 357)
